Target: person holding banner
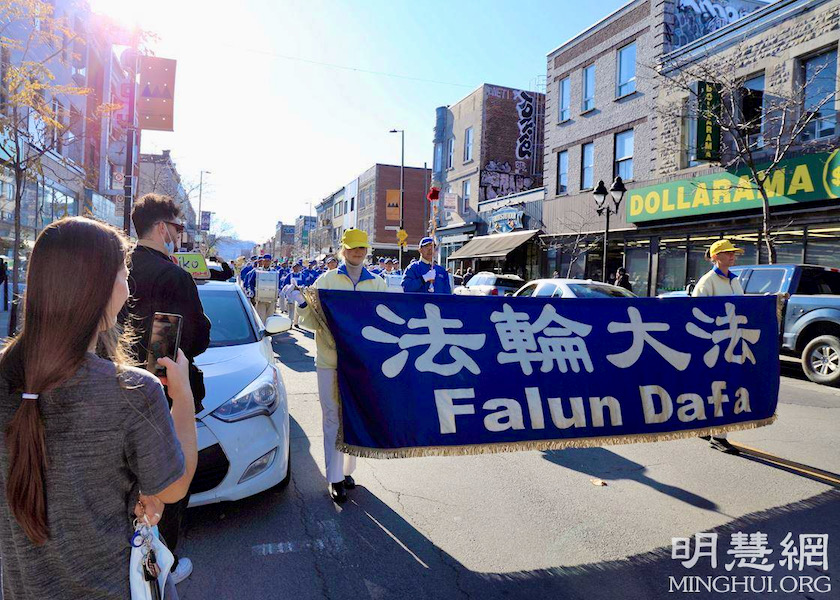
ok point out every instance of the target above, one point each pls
(352, 276)
(720, 281)
(425, 276)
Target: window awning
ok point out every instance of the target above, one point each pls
(496, 245)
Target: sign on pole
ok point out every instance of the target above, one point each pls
(206, 217)
(155, 105)
(392, 205)
(708, 124)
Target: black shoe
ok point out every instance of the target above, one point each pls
(723, 445)
(337, 493)
(349, 483)
(708, 438)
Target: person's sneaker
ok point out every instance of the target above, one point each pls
(723, 445)
(182, 571)
(349, 483)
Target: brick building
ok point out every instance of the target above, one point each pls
(603, 87)
(486, 146)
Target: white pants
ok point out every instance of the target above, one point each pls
(265, 310)
(338, 464)
(293, 314)
(281, 301)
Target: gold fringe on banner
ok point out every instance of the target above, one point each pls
(310, 294)
(311, 297)
(558, 444)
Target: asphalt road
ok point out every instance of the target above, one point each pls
(518, 525)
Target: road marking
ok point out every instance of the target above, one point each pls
(824, 476)
(331, 540)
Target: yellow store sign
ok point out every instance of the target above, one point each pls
(802, 179)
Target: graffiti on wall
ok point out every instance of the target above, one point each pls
(695, 18)
(500, 179)
(526, 110)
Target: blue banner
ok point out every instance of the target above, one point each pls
(424, 374)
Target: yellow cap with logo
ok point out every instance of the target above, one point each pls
(354, 238)
(724, 246)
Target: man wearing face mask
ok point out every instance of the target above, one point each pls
(158, 284)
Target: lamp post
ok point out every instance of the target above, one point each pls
(402, 183)
(617, 191)
(200, 189)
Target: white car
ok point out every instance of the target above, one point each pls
(485, 283)
(243, 431)
(572, 288)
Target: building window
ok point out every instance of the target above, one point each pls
(752, 109)
(588, 88)
(468, 144)
(562, 172)
(587, 165)
(624, 155)
(565, 99)
(819, 75)
(450, 150)
(438, 157)
(626, 70)
(352, 203)
(465, 196)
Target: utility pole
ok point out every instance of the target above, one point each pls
(402, 186)
(131, 137)
(200, 188)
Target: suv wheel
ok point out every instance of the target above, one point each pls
(821, 360)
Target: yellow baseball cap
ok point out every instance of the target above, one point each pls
(724, 246)
(354, 238)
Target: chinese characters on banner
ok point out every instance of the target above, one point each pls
(447, 376)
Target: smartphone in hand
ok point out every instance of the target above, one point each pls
(164, 340)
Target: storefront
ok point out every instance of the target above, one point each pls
(676, 222)
(517, 253)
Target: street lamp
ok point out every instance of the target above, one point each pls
(600, 194)
(200, 189)
(402, 184)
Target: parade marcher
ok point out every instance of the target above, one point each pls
(622, 279)
(292, 281)
(720, 281)
(351, 275)
(85, 433)
(396, 267)
(247, 269)
(265, 306)
(424, 276)
(159, 285)
(331, 263)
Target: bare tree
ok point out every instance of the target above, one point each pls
(759, 127)
(221, 231)
(578, 241)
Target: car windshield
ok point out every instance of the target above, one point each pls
(594, 290)
(230, 325)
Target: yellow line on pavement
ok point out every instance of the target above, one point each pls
(825, 476)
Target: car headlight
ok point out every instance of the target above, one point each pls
(261, 397)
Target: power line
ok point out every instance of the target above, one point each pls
(344, 67)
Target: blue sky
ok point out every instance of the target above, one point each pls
(277, 133)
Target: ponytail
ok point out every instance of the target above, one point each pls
(26, 485)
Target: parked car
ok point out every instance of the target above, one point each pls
(811, 318)
(810, 327)
(485, 283)
(572, 288)
(243, 431)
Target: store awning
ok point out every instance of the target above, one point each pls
(497, 245)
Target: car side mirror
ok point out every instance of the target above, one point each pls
(277, 324)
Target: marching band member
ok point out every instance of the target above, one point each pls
(425, 276)
(351, 275)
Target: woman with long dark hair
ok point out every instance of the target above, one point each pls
(88, 441)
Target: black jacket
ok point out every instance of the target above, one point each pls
(159, 285)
